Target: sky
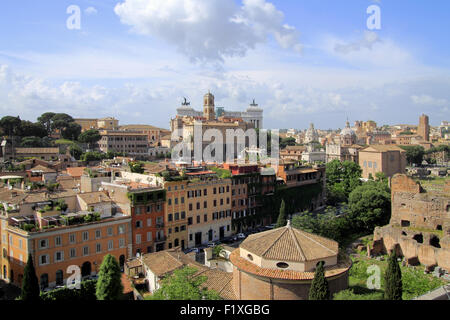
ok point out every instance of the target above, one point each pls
(302, 61)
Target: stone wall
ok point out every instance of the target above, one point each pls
(420, 224)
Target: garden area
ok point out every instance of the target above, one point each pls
(415, 281)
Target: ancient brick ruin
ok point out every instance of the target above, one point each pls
(419, 228)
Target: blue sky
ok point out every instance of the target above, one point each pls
(303, 61)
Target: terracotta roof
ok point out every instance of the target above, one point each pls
(127, 288)
(382, 148)
(43, 169)
(162, 262)
(75, 171)
(94, 197)
(36, 150)
(290, 244)
(67, 182)
(246, 266)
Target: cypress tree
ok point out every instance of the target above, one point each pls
(30, 283)
(109, 283)
(393, 287)
(281, 222)
(319, 286)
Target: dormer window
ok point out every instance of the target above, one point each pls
(250, 257)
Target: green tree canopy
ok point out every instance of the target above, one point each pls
(184, 284)
(370, 205)
(393, 287)
(10, 125)
(109, 283)
(90, 137)
(30, 283)
(30, 129)
(33, 142)
(71, 131)
(342, 178)
(319, 286)
(136, 167)
(46, 119)
(414, 154)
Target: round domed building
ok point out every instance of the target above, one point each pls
(348, 136)
(279, 264)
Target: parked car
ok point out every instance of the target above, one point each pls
(211, 244)
(241, 236)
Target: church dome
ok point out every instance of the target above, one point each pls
(311, 134)
(347, 131)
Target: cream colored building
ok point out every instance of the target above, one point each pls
(108, 123)
(208, 210)
(388, 159)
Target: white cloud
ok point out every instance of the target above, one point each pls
(91, 11)
(426, 100)
(368, 41)
(209, 31)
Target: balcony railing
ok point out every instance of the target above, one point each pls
(160, 239)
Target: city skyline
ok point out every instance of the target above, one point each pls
(301, 63)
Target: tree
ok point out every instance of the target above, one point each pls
(370, 205)
(184, 284)
(319, 286)
(10, 125)
(30, 283)
(30, 129)
(284, 142)
(109, 283)
(342, 178)
(46, 120)
(71, 131)
(393, 287)
(281, 222)
(90, 137)
(414, 154)
(136, 167)
(32, 142)
(75, 151)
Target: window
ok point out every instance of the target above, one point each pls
(149, 236)
(282, 265)
(183, 228)
(177, 216)
(183, 215)
(98, 247)
(121, 229)
(44, 259)
(98, 234)
(190, 206)
(169, 231)
(190, 237)
(170, 217)
(189, 221)
(138, 210)
(182, 199)
(110, 245)
(176, 200)
(214, 191)
(215, 203)
(198, 219)
(169, 202)
(205, 204)
(73, 252)
(138, 239)
(43, 244)
(110, 231)
(205, 218)
(85, 250)
(59, 256)
(370, 164)
(149, 209)
(205, 192)
(121, 243)
(250, 257)
(177, 229)
(149, 222)
(198, 205)
(72, 238)
(20, 243)
(85, 236)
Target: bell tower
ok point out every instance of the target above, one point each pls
(208, 107)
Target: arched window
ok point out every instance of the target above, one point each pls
(177, 243)
(418, 238)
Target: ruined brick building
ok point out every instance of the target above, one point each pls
(420, 223)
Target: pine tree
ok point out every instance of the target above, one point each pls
(281, 222)
(30, 283)
(109, 283)
(319, 286)
(393, 287)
